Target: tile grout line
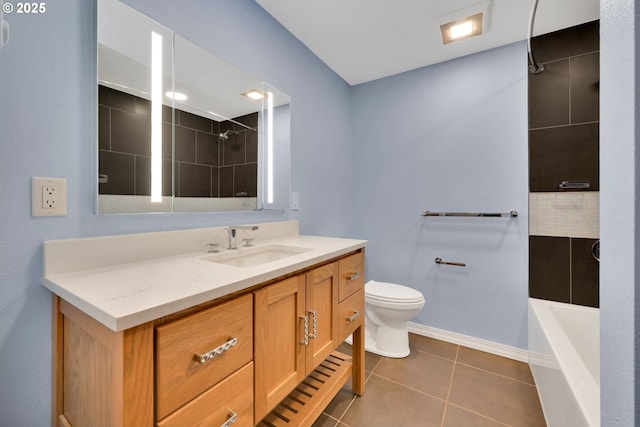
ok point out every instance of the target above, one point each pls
(437, 355)
(480, 415)
(339, 420)
(446, 401)
(353, 399)
(433, 396)
(332, 418)
(375, 367)
(446, 404)
(497, 374)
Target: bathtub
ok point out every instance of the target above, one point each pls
(564, 355)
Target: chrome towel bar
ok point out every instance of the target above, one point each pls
(457, 264)
(511, 214)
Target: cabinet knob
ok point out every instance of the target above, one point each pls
(204, 358)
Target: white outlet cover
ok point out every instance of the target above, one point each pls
(48, 196)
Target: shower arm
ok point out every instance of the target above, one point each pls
(534, 68)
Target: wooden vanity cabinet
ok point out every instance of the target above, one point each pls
(296, 329)
(154, 374)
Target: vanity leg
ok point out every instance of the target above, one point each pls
(358, 373)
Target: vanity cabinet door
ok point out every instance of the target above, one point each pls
(279, 355)
(296, 328)
(321, 307)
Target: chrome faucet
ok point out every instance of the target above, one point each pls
(231, 231)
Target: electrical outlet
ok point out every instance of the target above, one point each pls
(48, 196)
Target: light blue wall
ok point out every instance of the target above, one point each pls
(449, 137)
(619, 205)
(47, 128)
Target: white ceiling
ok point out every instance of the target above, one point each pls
(363, 40)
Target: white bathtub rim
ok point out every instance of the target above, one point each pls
(584, 387)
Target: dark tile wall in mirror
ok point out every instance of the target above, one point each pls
(564, 146)
(204, 166)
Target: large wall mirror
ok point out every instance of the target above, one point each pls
(179, 129)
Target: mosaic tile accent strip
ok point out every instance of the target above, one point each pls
(567, 214)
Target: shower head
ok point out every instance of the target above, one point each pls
(225, 134)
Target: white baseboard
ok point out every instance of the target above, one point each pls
(471, 342)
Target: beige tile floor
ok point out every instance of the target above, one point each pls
(439, 384)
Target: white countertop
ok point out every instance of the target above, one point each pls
(128, 294)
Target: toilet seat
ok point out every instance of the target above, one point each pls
(391, 293)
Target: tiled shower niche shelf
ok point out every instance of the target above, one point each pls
(305, 404)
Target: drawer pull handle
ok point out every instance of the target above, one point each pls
(354, 316)
(233, 417)
(314, 316)
(204, 358)
(353, 277)
(305, 341)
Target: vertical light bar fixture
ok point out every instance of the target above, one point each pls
(156, 117)
(269, 147)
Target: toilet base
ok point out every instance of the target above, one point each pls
(400, 345)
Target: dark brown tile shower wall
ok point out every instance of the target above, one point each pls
(564, 146)
(564, 109)
(204, 166)
(563, 269)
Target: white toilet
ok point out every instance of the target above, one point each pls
(388, 308)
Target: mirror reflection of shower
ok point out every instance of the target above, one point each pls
(225, 135)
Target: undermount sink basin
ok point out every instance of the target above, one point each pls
(251, 257)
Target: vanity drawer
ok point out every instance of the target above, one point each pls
(214, 407)
(227, 328)
(351, 278)
(350, 314)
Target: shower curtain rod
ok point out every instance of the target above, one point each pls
(534, 68)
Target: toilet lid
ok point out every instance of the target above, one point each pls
(383, 291)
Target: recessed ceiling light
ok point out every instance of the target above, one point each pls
(176, 96)
(254, 94)
(461, 29)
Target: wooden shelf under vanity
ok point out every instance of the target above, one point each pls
(305, 404)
